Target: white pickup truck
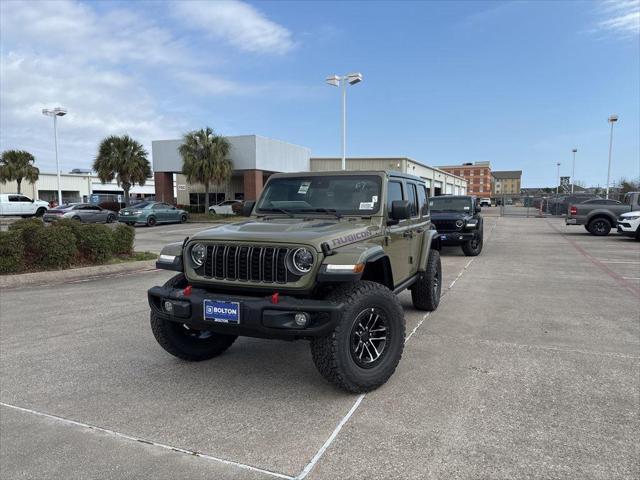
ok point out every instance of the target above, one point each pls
(16, 204)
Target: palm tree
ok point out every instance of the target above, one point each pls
(204, 155)
(124, 159)
(18, 165)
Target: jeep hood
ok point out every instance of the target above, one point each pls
(311, 232)
(449, 216)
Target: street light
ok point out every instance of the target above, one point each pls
(558, 184)
(573, 169)
(336, 81)
(612, 119)
(55, 113)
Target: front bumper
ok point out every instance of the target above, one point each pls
(626, 229)
(259, 316)
(130, 219)
(456, 238)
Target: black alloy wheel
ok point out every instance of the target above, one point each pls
(369, 337)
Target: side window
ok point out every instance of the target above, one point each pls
(422, 201)
(413, 199)
(24, 199)
(158, 206)
(14, 198)
(394, 193)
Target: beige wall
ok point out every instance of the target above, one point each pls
(457, 185)
(235, 185)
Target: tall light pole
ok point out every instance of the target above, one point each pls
(573, 169)
(55, 113)
(336, 81)
(558, 184)
(612, 119)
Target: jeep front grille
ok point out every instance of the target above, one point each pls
(446, 225)
(248, 263)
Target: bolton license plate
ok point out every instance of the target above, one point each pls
(221, 311)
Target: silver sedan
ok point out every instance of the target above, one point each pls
(83, 212)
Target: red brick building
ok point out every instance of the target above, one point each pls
(477, 175)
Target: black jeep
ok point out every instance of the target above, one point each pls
(458, 221)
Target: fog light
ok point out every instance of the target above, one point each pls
(168, 306)
(301, 319)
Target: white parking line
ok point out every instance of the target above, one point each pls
(358, 401)
(148, 442)
(620, 261)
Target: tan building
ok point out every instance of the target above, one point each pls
(438, 181)
(477, 175)
(506, 183)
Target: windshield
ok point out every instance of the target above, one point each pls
(450, 204)
(142, 205)
(340, 195)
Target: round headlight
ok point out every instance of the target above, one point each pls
(302, 261)
(459, 223)
(198, 254)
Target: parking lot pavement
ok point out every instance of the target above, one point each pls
(527, 369)
(152, 239)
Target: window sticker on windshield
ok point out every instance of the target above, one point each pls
(431, 203)
(374, 199)
(366, 205)
(304, 186)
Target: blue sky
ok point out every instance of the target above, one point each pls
(516, 83)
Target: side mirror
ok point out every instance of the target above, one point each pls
(247, 208)
(478, 208)
(400, 210)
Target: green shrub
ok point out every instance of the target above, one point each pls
(123, 237)
(96, 242)
(27, 228)
(11, 251)
(53, 247)
(73, 225)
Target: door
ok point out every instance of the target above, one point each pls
(398, 237)
(100, 214)
(13, 206)
(27, 206)
(162, 212)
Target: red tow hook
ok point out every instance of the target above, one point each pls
(187, 291)
(275, 298)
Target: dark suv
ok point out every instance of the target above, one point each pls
(458, 221)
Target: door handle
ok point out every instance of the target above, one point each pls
(408, 234)
(420, 230)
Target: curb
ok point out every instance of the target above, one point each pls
(62, 276)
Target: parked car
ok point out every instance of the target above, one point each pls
(457, 219)
(82, 212)
(629, 224)
(16, 204)
(322, 258)
(599, 216)
(224, 208)
(152, 213)
(485, 202)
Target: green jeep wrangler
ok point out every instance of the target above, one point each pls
(322, 257)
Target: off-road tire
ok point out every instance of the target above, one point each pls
(586, 227)
(172, 337)
(472, 250)
(332, 354)
(426, 291)
(151, 222)
(600, 227)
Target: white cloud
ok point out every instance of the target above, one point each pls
(236, 22)
(111, 67)
(620, 16)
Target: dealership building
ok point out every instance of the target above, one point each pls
(255, 158)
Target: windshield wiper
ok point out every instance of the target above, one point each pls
(280, 210)
(323, 210)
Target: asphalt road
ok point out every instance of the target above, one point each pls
(152, 239)
(528, 369)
